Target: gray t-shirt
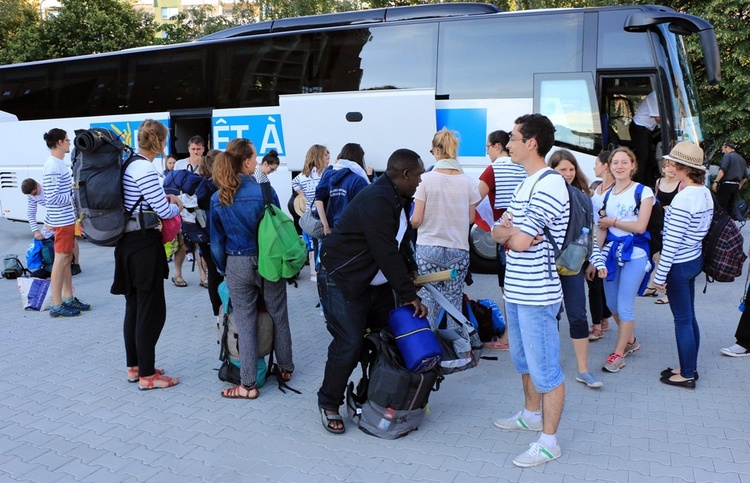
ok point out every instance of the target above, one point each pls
(733, 166)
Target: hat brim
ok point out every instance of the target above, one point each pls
(300, 205)
(684, 163)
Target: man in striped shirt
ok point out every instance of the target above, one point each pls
(57, 185)
(532, 287)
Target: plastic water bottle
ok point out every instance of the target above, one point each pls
(388, 417)
(584, 238)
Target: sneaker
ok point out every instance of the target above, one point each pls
(589, 379)
(614, 363)
(605, 325)
(77, 304)
(536, 455)
(595, 334)
(75, 269)
(313, 278)
(63, 311)
(516, 422)
(735, 350)
(630, 348)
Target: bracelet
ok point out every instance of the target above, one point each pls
(614, 223)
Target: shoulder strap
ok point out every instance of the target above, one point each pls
(267, 196)
(638, 193)
(125, 165)
(443, 302)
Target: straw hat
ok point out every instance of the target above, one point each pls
(300, 205)
(687, 154)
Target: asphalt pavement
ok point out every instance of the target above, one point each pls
(68, 414)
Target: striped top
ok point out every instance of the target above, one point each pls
(32, 201)
(57, 186)
(141, 178)
(530, 276)
(685, 225)
(307, 185)
(502, 177)
(260, 176)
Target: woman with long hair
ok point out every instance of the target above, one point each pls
(140, 261)
(685, 225)
(304, 184)
(236, 210)
(340, 183)
(625, 244)
(443, 212)
(573, 286)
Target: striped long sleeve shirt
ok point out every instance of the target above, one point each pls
(57, 186)
(685, 225)
(142, 179)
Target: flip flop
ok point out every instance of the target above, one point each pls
(662, 301)
(235, 392)
(179, 282)
(204, 283)
(327, 419)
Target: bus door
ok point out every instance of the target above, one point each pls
(186, 124)
(569, 101)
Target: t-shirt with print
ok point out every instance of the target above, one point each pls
(622, 206)
(530, 276)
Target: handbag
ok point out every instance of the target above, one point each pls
(311, 224)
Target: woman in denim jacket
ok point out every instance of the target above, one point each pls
(236, 210)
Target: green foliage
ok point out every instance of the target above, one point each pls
(17, 30)
(274, 9)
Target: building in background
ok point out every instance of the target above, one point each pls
(162, 10)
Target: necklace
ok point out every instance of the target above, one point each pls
(602, 189)
(622, 190)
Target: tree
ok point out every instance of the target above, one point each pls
(18, 30)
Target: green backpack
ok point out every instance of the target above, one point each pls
(281, 252)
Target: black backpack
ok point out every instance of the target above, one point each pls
(99, 164)
(389, 401)
(12, 267)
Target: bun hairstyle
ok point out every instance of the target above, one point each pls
(447, 142)
(54, 136)
(227, 168)
(271, 158)
(152, 136)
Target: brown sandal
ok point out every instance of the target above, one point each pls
(133, 373)
(157, 381)
(235, 392)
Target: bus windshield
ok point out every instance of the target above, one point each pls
(686, 110)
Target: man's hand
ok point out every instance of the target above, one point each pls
(419, 309)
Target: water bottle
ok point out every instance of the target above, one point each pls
(388, 417)
(570, 260)
(584, 238)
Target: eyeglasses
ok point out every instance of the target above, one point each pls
(522, 139)
(432, 151)
(67, 140)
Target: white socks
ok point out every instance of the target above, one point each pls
(531, 416)
(548, 440)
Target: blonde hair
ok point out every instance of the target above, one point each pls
(152, 136)
(447, 142)
(315, 158)
(631, 155)
(227, 168)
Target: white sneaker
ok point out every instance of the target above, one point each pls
(536, 455)
(735, 350)
(516, 422)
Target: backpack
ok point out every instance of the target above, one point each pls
(655, 227)
(723, 254)
(389, 401)
(40, 256)
(281, 252)
(490, 321)
(569, 257)
(12, 268)
(100, 162)
(741, 211)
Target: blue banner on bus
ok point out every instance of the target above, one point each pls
(471, 125)
(127, 130)
(264, 131)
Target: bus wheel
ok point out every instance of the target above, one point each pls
(482, 251)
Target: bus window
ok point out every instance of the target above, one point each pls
(87, 87)
(26, 92)
(569, 101)
(618, 48)
(497, 58)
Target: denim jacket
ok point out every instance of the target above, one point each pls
(234, 227)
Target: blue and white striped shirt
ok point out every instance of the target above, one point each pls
(141, 178)
(57, 186)
(685, 225)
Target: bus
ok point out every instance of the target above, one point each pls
(384, 78)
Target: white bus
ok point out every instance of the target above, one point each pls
(385, 78)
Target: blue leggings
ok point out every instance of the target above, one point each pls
(621, 292)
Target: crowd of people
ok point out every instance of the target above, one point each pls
(379, 232)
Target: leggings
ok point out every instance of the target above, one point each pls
(574, 296)
(621, 291)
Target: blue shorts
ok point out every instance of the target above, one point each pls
(535, 343)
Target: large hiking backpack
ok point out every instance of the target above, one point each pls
(281, 252)
(723, 254)
(569, 256)
(389, 401)
(100, 162)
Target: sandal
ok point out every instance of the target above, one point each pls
(496, 345)
(235, 392)
(133, 374)
(204, 283)
(650, 292)
(179, 282)
(329, 419)
(157, 381)
(662, 301)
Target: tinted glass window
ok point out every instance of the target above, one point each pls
(499, 57)
(618, 48)
(26, 92)
(87, 87)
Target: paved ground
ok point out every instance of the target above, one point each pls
(67, 413)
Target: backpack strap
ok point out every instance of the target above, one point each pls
(267, 196)
(125, 165)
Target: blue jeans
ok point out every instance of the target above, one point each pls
(347, 322)
(621, 292)
(574, 296)
(681, 293)
(535, 343)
